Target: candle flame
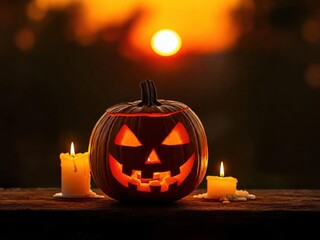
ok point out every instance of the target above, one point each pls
(72, 152)
(221, 170)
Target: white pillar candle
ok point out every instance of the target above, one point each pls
(218, 187)
(75, 174)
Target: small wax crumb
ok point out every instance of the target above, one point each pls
(201, 195)
(222, 199)
(241, 199)
(91, 194)
(244, 194)
(251, 196)
(240, 195)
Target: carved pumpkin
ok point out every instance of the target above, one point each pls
(148, 150)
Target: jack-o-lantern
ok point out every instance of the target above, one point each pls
(148, 150)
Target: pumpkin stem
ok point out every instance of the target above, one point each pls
(148, 94)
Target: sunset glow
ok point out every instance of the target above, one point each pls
(166, 42)
(203, 26)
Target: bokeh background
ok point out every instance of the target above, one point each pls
(250, 69)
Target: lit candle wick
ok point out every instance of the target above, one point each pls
(221, 170)
(72, 152)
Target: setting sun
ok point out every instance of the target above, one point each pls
(166, 42)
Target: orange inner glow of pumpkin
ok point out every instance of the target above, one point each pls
(159, 179)
(126, 137)
(177, 136)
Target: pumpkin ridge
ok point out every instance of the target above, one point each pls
(146, 114)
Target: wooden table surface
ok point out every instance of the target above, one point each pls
(275, 213)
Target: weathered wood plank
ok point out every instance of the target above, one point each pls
(274, 213)
(266, 200)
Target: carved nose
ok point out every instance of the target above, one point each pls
(153, 158)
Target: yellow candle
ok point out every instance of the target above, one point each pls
(222, 186)
(75, 174)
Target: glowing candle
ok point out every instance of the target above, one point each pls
(75, 174)
(222, 186)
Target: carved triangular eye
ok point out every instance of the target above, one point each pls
(177, 136)
(126, 137)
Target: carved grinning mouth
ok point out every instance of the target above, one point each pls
(159, 179)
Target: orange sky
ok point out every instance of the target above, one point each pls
(204, 25)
